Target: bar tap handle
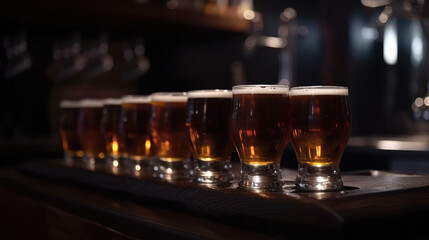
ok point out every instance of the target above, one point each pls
(286, 42)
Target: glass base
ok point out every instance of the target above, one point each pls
(318, 178)
(114, 165)
(94, 164)
(261, 177)
(213, 172)
(173, 171)
(139, 168)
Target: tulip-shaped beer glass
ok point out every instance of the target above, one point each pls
(208, 127)
(260, 130)
(320, 122)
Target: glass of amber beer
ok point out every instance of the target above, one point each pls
(208, 127)
(90, 136)
(168, 130)
(260, 129)
(69, 112)
(134, 135)
(110, 131)
(320, 122)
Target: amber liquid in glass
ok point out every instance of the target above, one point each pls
(260, 127)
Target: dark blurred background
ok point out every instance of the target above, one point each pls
(55, 50)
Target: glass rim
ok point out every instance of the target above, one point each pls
(169, 97)
(261, 89)
(319, 90)
(112, 101)
(66, 103)
(91, 103)
(210, 93)
(136, 99)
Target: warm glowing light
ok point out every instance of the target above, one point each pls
(252, 150)
(419, 102)
(147, 144)
(417, 44)
(383, 18)
(165, 145)
(390, 43)
(249, 14)
(138, 167)
(426, 101)
(205, 150)
(115, 147)
(321, 179)
(274, 42)
(318, 150)
(115, 163)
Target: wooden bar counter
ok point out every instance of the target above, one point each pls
(49, 200)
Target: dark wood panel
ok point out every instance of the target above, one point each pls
(137, 218)
(374, 204)
(25, 218)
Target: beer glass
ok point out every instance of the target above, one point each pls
(135, 135)
(110, 131)
(260, 129)
(168, 129)
(69, 111)
(90, 136)
(208, 128)
(320, 122)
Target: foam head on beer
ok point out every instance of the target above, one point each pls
(215, 93)
(318, 91)
(112, 101)
(91, 103)
(69, 104)
(169, 97)
(260, 89)
(136, 99)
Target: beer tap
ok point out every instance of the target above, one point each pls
(136, 61)
(286, 42)
(415, 9)
(18, 59)
(68, 61)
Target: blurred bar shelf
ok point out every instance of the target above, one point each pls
(116, 14)
(408, 153)
(374, 204)
(412, 143)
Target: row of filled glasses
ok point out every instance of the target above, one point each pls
(159, 134)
